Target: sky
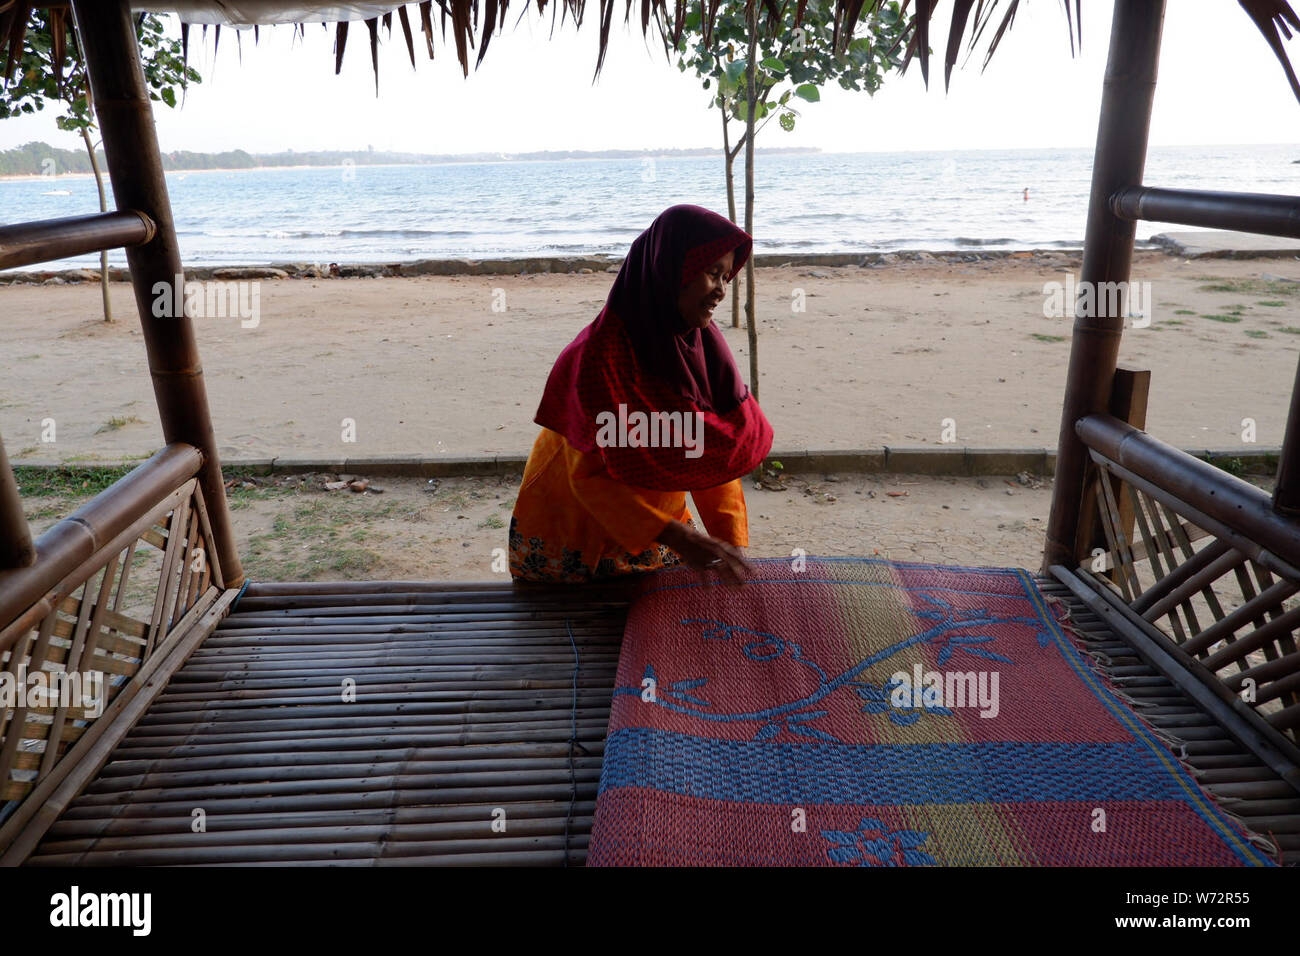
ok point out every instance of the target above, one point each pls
(1218, 84)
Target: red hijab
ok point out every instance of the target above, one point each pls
(639, 353)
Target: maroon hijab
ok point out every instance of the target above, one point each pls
(681, 243)
(639, 352)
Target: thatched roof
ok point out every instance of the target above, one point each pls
(971, 20)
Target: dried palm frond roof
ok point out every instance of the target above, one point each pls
(1275, 19)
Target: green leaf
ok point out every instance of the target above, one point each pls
(169, 96)
(808, 92)
(773, 64)
(787, 121)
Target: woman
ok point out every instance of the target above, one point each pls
(643, 406)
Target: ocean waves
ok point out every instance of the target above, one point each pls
(860, 202)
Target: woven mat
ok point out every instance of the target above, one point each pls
(875, 713)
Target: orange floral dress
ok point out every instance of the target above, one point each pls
(573, 523)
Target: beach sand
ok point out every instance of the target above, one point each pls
(454, 365)
(425, 366)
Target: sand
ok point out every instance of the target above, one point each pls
(455, 365)
(289, 528)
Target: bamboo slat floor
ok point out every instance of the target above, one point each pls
(466, 703)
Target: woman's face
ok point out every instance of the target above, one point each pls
(699, 298)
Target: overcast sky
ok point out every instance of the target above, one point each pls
(1218, 83)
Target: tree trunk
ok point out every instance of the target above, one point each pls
(730, 161)
(752, 97)
(103, 207)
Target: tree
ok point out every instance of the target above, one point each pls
(52, 70)
(793, 63)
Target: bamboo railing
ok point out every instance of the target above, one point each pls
(1206, 567)
(111, 586)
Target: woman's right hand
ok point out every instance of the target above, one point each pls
(705, 553)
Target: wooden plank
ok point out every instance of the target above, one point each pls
(166, 585)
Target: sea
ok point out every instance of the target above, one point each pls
(805, 203)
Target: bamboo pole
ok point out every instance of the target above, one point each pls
(16, 547)
(27, 243)
(293, 769)
(619, 590)
(590, 734)
(332, 652)
(377, 835)
(200, 728)
(1259, 213)
(472, 852)
(107, 34)
(113, 826)
(448, 712)
(460, 788)
(1118, 162)
(373, 799)
(1286, 492)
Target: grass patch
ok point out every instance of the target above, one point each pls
(241, 497)
(1256, 333)
(1233, 466)
(1290, 330)
(66, 481)
(1254, 287)
(119, 421)
(1271, 303)
(1046, 338)
(492, 521)
(1173, 321)
(458, 501)
(1222, 318)
(321, 536)
(47, 511)
(1184, 311)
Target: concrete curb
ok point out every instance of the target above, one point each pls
(532, 265)
(946, 461)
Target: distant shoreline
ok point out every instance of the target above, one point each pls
(450, 161)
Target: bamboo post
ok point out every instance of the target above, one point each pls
(1128, 403)
(16, 548)
(107, 34)
(1286, 493)
(1107, 256)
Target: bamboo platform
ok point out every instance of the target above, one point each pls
(467, 704)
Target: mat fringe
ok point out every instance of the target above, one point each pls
(1265, 842)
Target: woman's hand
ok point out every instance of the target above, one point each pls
(705, 553)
